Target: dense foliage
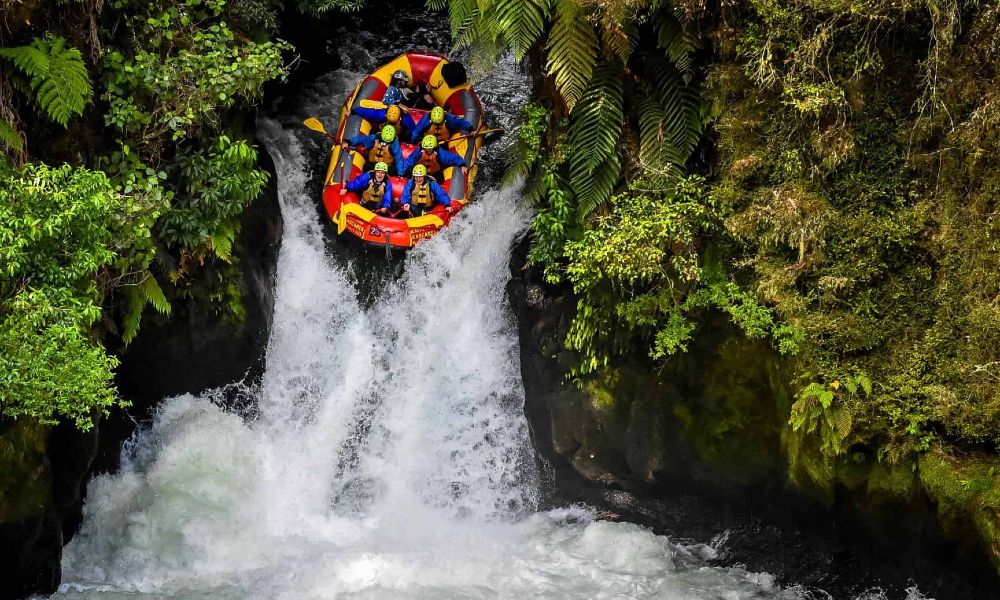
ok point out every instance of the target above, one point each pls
(148, 208)
(858, 173)
(61, 231)
(845, 207)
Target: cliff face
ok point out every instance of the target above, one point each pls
(699, 445)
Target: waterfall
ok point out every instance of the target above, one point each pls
(387, 455)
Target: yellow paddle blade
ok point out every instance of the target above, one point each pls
(314, 124)
(366, 103)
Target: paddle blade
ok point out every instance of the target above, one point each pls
(366, 103)
(314, 124)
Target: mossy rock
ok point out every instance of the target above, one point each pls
(966, 491)
(25, 474)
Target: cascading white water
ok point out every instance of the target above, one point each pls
(388, 457)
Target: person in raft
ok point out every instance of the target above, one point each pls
(438, 123)
(422, 192)
(383, 147)
(400, 91)
(373, 188)
(392, 115)
(434, 158)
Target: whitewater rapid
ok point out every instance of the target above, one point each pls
(387, 456)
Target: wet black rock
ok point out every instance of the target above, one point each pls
(693, 450)
(43, 511)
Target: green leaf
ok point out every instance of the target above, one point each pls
(10, 137)
(57, 76)
(572, 51)
(595, 137)
(522, 22)
(151, 293)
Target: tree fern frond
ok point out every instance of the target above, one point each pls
(133, 314)
(222, 241)
(596, 121)
(462, 15)
(680, 123)
(619, 39)
(655, 150)
(30, 60)
(10, 137)
(522, 22)
(572, 51)
(57, 74)
(438, 4)
(676, 41)
(594, 188)
(150, 292)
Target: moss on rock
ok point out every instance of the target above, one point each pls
(25, 474)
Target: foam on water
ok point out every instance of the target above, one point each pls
(388, 455)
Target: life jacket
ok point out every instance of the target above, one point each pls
(431, 162)
(375, 189)
(439, 130)
(380, 152)
(422, 194)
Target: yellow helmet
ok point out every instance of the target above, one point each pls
(420, 171)
(429, 142)
(381, 166)
(437, 115)
(392, 114)
(388, 134)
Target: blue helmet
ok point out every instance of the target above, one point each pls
(392, 95)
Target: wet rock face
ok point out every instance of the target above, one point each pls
(693, 449)
(44, 471)
(196, 349)
(712, 415)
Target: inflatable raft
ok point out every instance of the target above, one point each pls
(346, 211)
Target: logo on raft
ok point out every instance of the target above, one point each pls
(355, 225)
(420, 233)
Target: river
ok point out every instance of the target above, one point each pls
(385, 453)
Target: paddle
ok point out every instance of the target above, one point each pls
(366, 103)
(314, 124)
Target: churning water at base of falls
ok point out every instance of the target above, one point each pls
(387, 455)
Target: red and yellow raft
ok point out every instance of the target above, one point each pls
(346, 211)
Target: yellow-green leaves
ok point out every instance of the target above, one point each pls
(572, 50)
(56, 74)
(595, 137)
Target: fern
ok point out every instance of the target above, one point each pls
(148, 291)
(522, 22)
(595, 137)
(151, 293)
(57, 76)
(594, 188)
(572, 51)
(619, 40)
(670, 122)
(676, 41)
(222, 241)
(10, 137)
